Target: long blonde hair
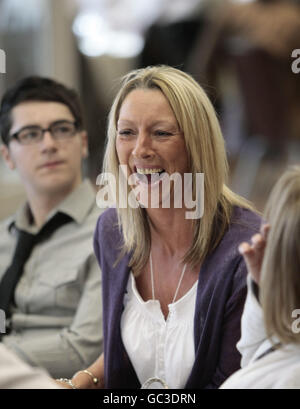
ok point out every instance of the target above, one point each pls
(206, 154)
(280, 275)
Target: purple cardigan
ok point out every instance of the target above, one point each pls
(220, 299)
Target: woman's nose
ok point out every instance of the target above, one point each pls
(143, 146)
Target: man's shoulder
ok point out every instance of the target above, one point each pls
(94, 214)
(6, 223)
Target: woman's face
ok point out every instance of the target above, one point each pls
(149, 141)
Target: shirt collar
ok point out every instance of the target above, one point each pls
(77, 205)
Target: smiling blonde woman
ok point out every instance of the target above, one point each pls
(196, 119)
(173, 288)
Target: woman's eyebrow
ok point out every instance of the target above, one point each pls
(154, 123)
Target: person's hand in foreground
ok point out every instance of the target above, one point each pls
(253, 253)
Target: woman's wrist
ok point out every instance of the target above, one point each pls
(255, 289)
(85, 379)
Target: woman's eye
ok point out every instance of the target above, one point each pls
(125, 132)
(162, 133)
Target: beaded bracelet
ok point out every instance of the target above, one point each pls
(68, 381)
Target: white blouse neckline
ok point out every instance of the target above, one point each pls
(159, 347)
(179, 307)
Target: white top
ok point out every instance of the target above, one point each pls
(158, 347)
(254, 341)
(279, 369)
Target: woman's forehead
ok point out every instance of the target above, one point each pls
(141, 103)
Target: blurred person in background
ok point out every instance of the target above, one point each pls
(270, 342)
(50, 283)
(272, 29)
(255, 40)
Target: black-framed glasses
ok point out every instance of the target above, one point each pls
(60, 130)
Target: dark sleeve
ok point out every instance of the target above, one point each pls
(229, 357)
(96, 241)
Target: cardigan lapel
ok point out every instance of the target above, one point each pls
(121, 373)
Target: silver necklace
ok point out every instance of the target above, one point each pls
(152, 280)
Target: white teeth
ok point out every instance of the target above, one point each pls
(149, 171)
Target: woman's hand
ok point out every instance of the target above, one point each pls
(254, 253)
(90, 378)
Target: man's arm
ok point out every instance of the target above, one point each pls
(16, 374)
(72, 348)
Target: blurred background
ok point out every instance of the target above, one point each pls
(240, 52)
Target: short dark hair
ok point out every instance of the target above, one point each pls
(35, 88)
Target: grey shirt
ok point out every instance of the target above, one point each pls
(16, 374)
(57, 321)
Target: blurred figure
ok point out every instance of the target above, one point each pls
(270, 343)
(16, 374)
(251, 43)
(50, 283)
(270, 30)
(171, 38)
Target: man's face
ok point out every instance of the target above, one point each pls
(48, 167)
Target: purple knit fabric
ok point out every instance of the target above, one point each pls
(221, 294)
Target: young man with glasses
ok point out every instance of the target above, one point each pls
(52, 294)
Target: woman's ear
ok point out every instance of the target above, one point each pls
(6, 155)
